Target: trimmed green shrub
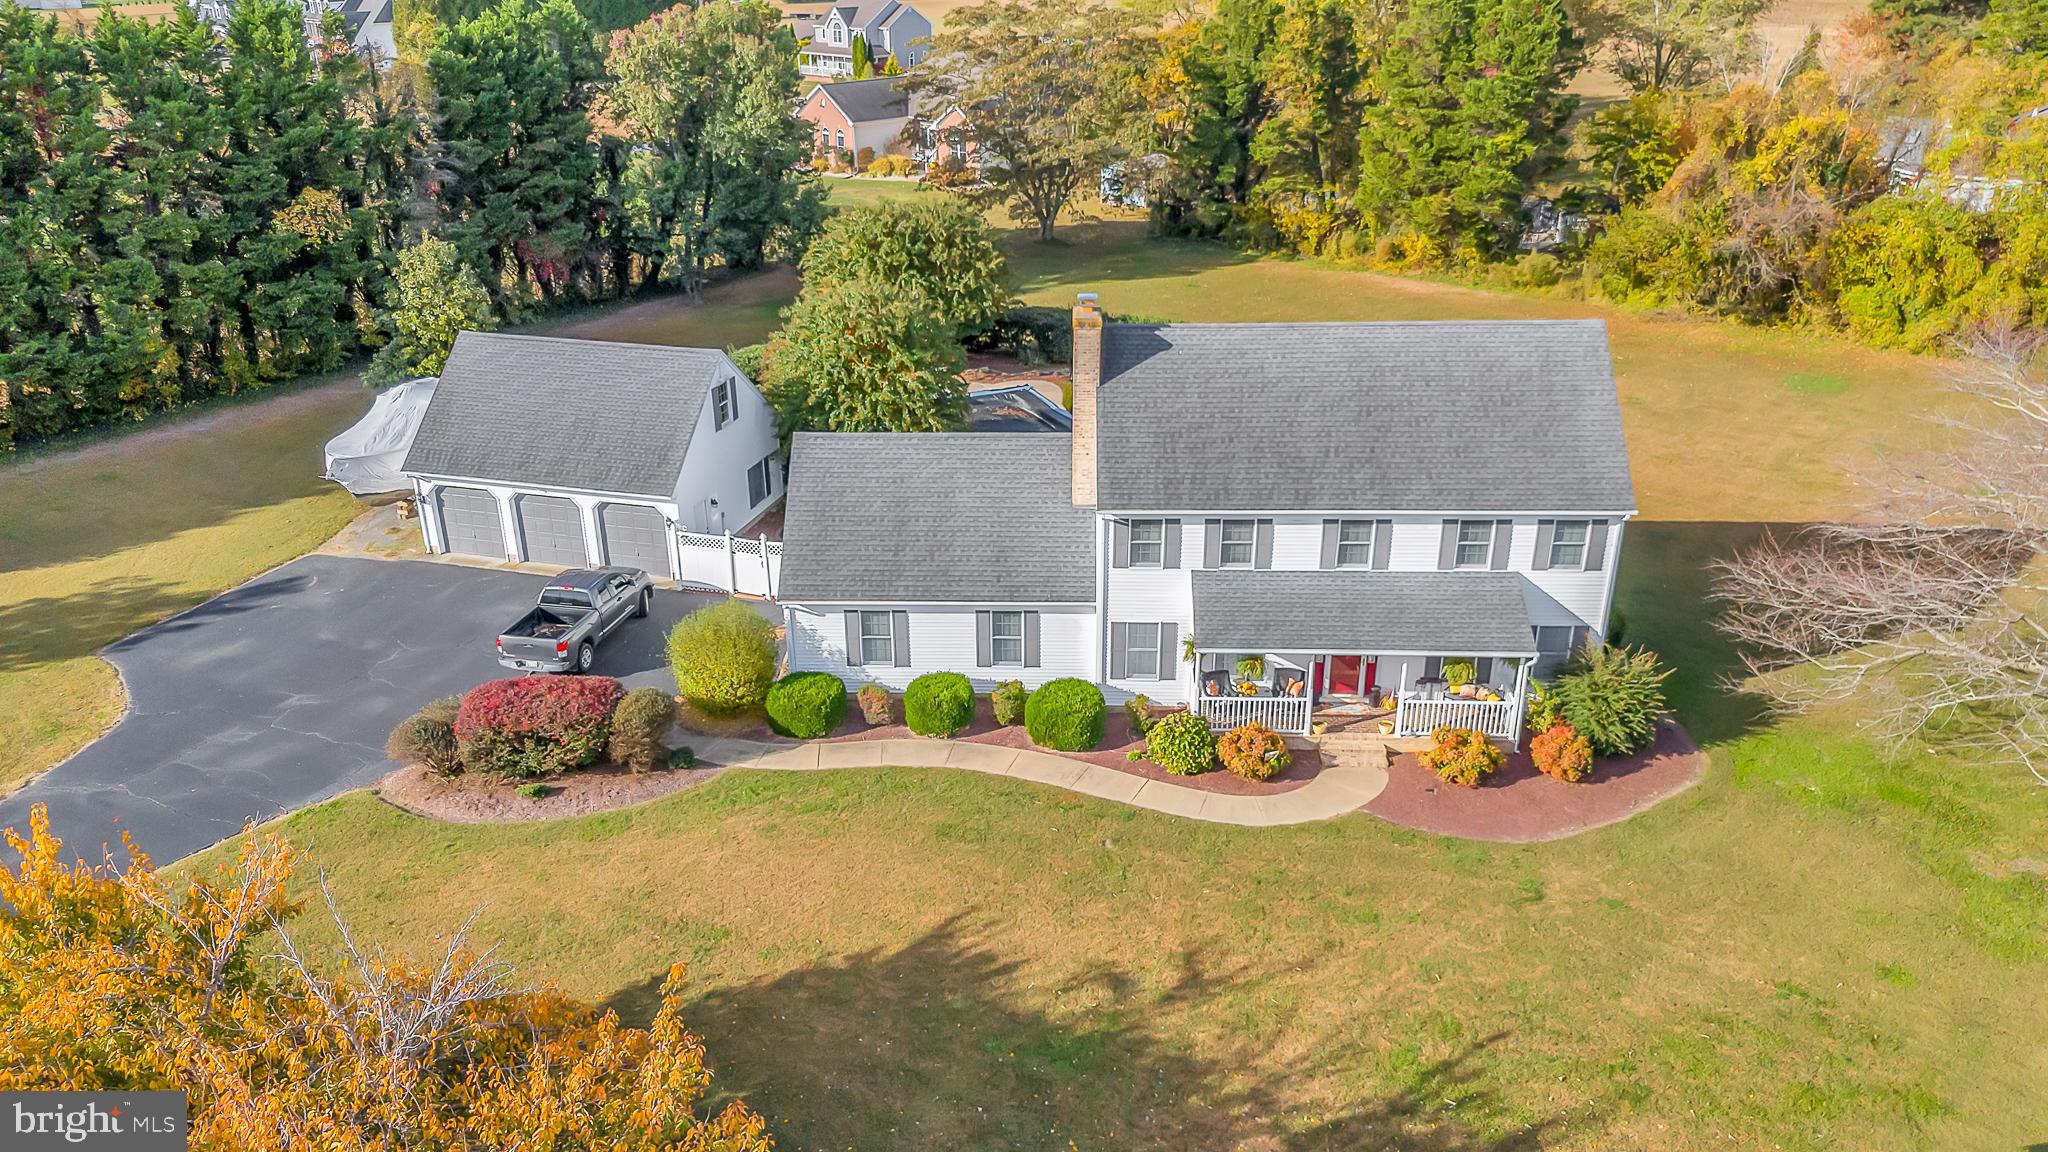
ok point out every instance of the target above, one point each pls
(533, 791)
(427, 738)
(684, 757)
(939, 704)
(1180, 743)
(1138, 714)
(806, 705)
(875, 706)
(1462, 756)
(723, 656)
(535, 725)
(1254, 752)
(1007, 702)
(1613, 697)
(1066, 715)
(640, 727)
(1562, 753)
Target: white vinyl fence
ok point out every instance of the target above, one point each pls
(730, 563)
(1280, 713)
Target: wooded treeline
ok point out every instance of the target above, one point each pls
(186, 214)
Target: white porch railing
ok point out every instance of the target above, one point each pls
(1280, 713)
(1414, 716)
(730, 563)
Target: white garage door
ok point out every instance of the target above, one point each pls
(553, 530)
(635, 536)
(469, 522)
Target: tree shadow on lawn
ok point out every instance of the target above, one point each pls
(111, 614)
(1664, 592)
(931, 1045)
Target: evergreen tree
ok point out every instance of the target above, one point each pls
(1467, 101)
(512, 87)
(710, 94)
(863, 60)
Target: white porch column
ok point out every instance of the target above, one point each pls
(1521, 710)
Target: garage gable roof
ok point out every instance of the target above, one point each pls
(546, 412)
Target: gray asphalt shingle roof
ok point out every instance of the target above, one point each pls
(1465, 416)
(945, 517)
(1427, 613)
(556, 413)
(864, 101)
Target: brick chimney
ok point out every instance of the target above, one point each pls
(1087, 384)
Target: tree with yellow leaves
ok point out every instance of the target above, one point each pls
(116, 977)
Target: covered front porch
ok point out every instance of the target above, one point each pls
(1417, 650)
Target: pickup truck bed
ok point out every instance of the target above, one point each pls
(548, 623)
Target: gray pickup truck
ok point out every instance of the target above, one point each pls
(576, 611)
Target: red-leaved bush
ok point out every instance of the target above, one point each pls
(536, 726)
(1561, 752)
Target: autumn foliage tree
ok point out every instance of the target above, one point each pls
(119, 977)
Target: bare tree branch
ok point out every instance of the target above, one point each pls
(1937, 604)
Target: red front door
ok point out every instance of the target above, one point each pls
(1350, 676)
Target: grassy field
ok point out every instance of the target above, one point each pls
(1817, 948)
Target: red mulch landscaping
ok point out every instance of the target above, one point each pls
(1519, 804)
(467, 799)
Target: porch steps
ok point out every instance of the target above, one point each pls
(1361, 745)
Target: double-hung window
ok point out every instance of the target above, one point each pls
(1006, 638)
(761, 480)
(722, 412)
(1354, 544)
(1475, 543)
(1238, 548)
(1568, 543)
(877, 639)
(1148, 543)
(1141, 651)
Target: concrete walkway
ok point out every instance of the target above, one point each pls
(1337, 789)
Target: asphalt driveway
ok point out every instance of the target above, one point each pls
(280, 693)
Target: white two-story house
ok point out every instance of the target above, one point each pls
(890, 28)
(1353, 504)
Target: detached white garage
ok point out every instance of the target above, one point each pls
(575, 453)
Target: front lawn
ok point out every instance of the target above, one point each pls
(1827, 954)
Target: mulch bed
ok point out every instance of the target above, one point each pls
(1518, 804)
(1119, 742)
(479, 800)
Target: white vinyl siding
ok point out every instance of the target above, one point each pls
(719, 461)
(942, 640)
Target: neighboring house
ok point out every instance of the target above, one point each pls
(858, 114)
(889, 27)
(1903, 149)
(583, 452)
(368, 23)
(1353, 503)
(945, 141)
